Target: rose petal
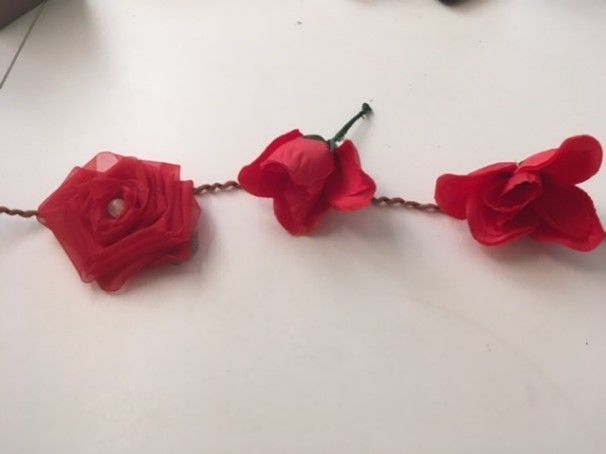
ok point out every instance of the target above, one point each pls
(576, 160)
(160, 215)
(251, 177)
(169, 242)
(491, 227)
(103, 161)
(568, 217)
(304, 161)
(297, 212)
(293, 170)
(514, 194)
(453, 191)
(349, 188)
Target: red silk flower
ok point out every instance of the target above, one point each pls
(117, 215)
(306, 176)
(537, 197)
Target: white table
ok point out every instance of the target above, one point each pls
(389, 331)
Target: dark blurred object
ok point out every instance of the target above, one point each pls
(12, 9)
(452, 2)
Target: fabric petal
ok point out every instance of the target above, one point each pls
(453, 191)
(492, 228)
(568, 217)
(251, 177)
(514, 194)
(160, 214)
(297, 212)
(349, 188)
(304, 161)
(576, 160)
(103, 161)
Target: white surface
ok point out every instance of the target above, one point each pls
(387, 332)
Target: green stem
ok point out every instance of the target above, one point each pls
(339, 136)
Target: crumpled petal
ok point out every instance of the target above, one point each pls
(306, 178)
(303, 161)
(576, 160)
(453, 191)
(514, 194)
(297, 212)
(492, 228)
(568, 217)
(263, 183)
(293, 170)
(349, 188)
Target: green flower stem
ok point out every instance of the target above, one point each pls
(340, 136)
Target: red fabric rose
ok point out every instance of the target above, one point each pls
(538, 197)
(117, 215)
(305, 178)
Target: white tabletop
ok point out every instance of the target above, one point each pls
(388, 331)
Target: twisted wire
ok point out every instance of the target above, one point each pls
(18, 212)
(399, 202)
(395, 202)
(216, 187)
(382, 201)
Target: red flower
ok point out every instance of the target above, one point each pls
(537, 198)
(117, 215)
(306, 175)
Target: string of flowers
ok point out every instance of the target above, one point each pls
(117, 215)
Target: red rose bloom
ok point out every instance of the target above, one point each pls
(306, 176)
(117, 215)
(538, 197)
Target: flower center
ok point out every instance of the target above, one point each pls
(115, 208)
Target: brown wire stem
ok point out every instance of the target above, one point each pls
(399, 202)
(216, 187)
(395, 202)
(18, 212)
(382, 201)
